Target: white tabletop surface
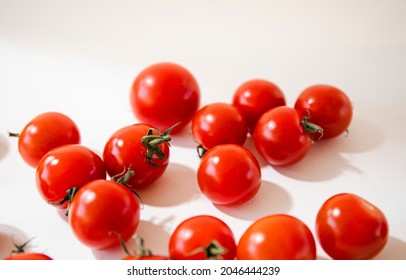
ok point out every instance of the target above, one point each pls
(80, 58)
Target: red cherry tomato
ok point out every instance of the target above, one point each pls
(28, 256)
(200, 238)
(328, 106)
(255, 97)
(281, 138)
(229, 174)
(349, 227)
(45, 132)
(277, 237)
(65, 169)
(140, 147)
(164, 94)
(219, 123)
(100, 208)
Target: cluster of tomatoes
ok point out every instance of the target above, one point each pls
(99, 193)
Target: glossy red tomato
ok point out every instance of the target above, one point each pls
(229, 174)
(255, 97)
(164, 94)
(277, 237)
(349, 227)
(45, 132)
(28, 256)
(219, 123)
(101, 207)
(202, 237)
(132, 147)
(64, 168)
(328, 106)
(280, 136)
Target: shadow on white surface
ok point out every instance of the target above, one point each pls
(156, 239)
(395, 249)
(176, 186)
(9, 236)
(4, 146)
(184, 138)
(270, 199)
(326, 159)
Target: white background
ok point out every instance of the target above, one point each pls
(80, 58)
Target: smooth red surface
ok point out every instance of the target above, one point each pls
(229, 174)
(164, 94)
(124, 150)
(45, 132)
(255, 97)
(66, 167)
(349, 227)
(194, 234)
(101, 207)
(279, 136)
(277, 237)
(328, 107)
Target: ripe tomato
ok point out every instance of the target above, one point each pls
(202, 237)
(277, 237)
(219, 123)
(65, 169)
(43, 133)
(328, 106)
(100, 208)
(254, 97)
(130, 147)
(281, 138)
(349, 227)
(229, 174)
(28, 256)
(164, 94)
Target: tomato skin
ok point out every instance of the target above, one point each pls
(45, 132)
(229, 174)
(280, 138)
(124, 150)
(191, 236)
(349, 227)
(219, 123)
(164, 94)
(277, 237)
(65, 167)
(101, 207)
(328, 106)
(145, 258)
(255, 97)
(28, 256)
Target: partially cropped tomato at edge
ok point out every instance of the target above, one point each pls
(202, 237)
(350, 227)
(229, 174)
(255, 97)
(100, 208)
(28, 256)
(164, 94)
(219, 123)
(277, 237)
(43, 133)
(65, 169)
(328, 106)
(283, 137)
(140, 147)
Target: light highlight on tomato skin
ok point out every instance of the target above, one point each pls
(101, 207)
(229, 174)
(349, 227)
(163, 94)
(277, 237)
(280, 138)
